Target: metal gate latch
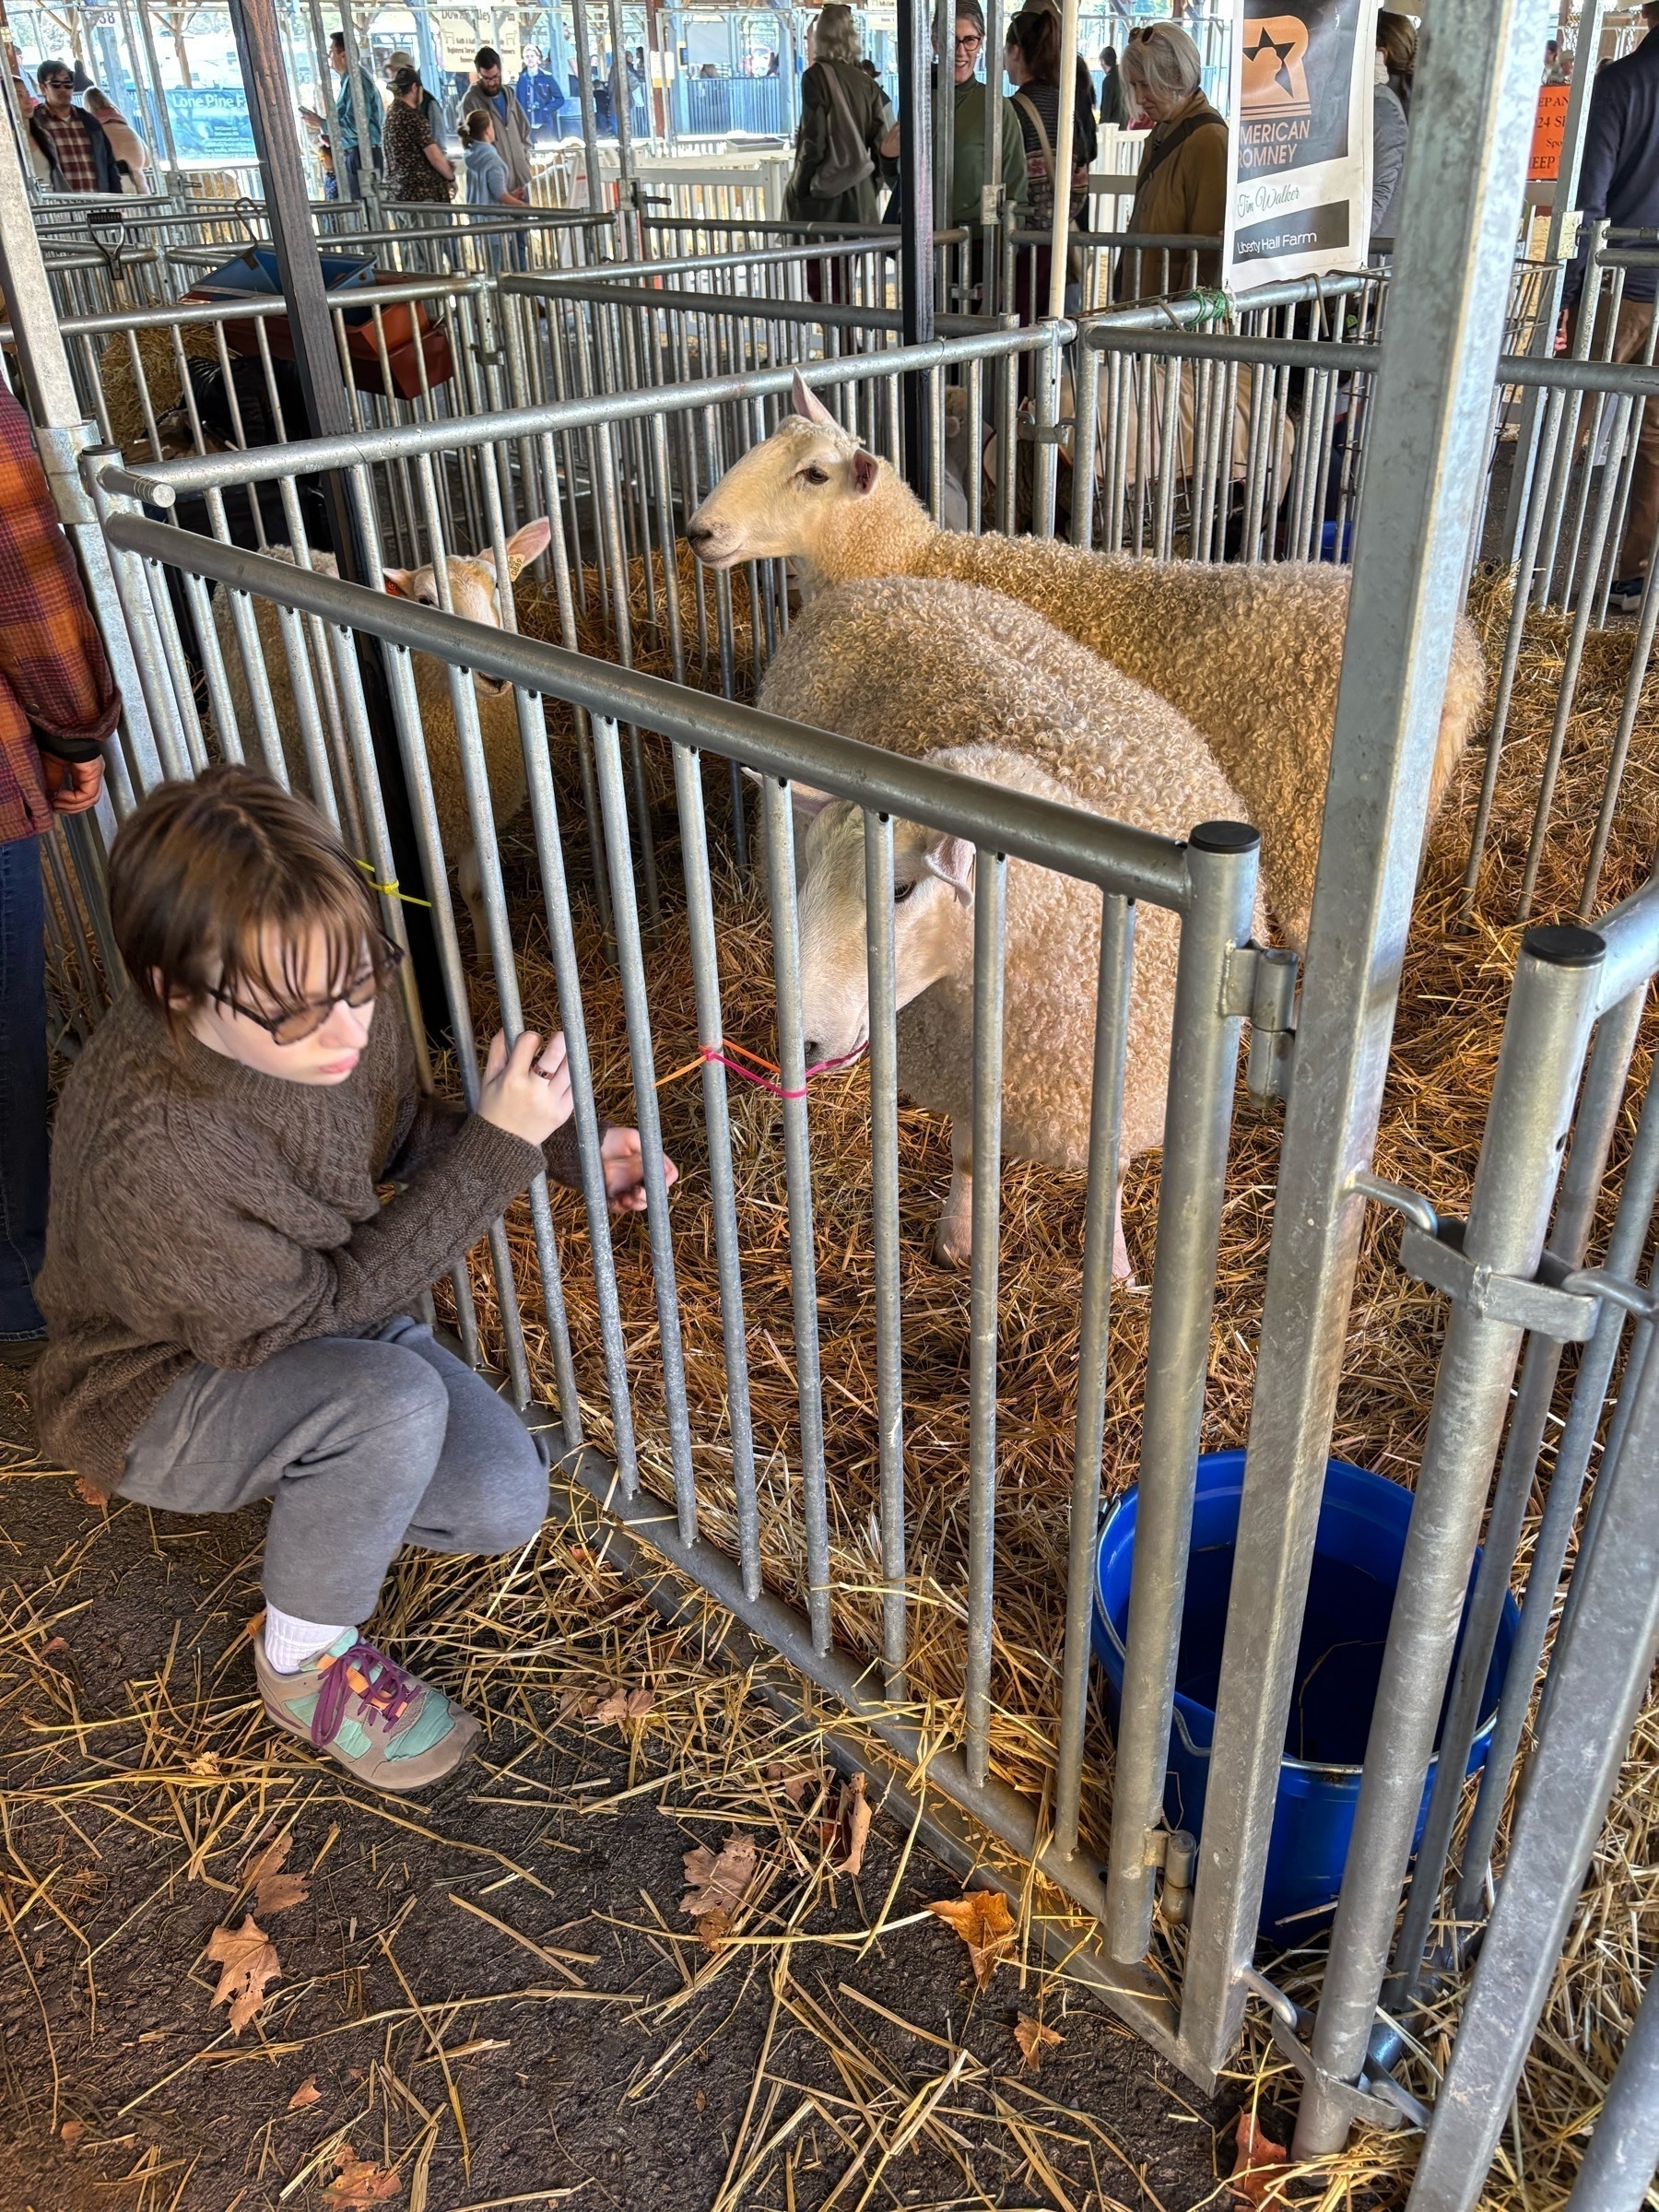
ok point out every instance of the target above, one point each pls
(1558, 1302)
(1377, 2102)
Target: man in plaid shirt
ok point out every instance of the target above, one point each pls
(79, 156)
(58, 704)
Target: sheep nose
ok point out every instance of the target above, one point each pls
(698, 535)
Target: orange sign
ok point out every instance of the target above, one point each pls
(1549, 131)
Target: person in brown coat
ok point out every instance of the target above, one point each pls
(1181, 190)
(228, 1298)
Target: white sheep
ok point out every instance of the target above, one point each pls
(1251, 653)
(471, 586)
(977, 683)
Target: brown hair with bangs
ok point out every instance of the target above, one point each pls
(225, 885)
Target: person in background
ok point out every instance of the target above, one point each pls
(76, 148)
(1032, 59)
(1619, 178)
(1115, 101)
(431, 106)
(968, 138)
(1397, 37)
(487, 184)
(358, 114)
(417, 166)
(58, 707)
(1554, 71)
(500, 101)
(537, 90)
(1389, 129)
(836, 81)
(1180, 186)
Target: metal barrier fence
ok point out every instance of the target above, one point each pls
(1209, 883)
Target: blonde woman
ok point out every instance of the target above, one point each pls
(1180, 187)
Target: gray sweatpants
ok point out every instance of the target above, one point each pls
(361, 1443)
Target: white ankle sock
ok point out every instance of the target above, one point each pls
(290, 1642)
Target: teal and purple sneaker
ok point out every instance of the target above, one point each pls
(384, 1725)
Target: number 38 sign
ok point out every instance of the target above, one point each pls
(1299, 130)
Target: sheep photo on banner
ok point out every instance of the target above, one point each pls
(1298, 140)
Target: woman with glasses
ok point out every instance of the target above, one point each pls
(230, 1298)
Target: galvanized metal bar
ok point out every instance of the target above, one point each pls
(1105, 1171)
(884, 1239)
(1601, 1672)
(1474, 104)
(1137, 863)
(1617, 2170)
(797, 1158)
(630, 963)
(990, 921)
(1223, 857)
(1552, 1005)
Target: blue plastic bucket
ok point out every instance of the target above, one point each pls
(1361, 1541)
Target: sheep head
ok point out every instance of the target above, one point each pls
(933, 934)
(809, 492)
(473, 592)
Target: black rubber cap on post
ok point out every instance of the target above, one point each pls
(1225, 837)
(1564, 945)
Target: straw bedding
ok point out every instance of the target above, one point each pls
(1451, 1005)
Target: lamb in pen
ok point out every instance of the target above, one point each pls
(1251, 653)
(979, 684)
(473, 594)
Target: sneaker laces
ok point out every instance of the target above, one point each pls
(368, 1675)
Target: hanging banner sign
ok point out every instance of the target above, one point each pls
(1548, 132)
(1299, 139)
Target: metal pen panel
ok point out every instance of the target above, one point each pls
(1552, 1005)
(1602, 1672)
(990, 929)
(1222, 860)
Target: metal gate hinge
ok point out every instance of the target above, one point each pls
(1258, 983)
(1378, 2100)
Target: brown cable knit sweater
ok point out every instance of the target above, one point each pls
(202, 1211)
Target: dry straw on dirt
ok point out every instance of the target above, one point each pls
(1453, 999)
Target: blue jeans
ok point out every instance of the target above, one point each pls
(22, 1086)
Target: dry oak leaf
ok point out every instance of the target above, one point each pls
(718, 1884)
(275, 1891)
(88, 1492)
(1260, 2165)
(307, 2093)
(247, 1959)
(1034, 2037)
(982, 1921)
(359, 2183)
(852, 1831)
(70, 2133)
(798, 1786)
(626, 1705)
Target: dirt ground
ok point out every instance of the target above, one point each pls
(490, 1996)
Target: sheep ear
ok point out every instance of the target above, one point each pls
(809, 404)
(527, 545)
(808, 802)
(397, 582)
(865, 469)
(951, 860)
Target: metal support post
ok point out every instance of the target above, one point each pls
(1552, 1005)
(991, 198)
(1602, 1673)
(1222, 859)
(1624, 2148)
(1065, 135)
(1477, 91)
(915, 233)
(328, 414)
(585, 91)
(944, 145)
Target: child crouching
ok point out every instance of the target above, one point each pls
(228, 1303)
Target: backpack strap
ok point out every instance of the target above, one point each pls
(1159, 154)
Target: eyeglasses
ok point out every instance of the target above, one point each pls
(58, 84)
(969, 45)
(297, 1023)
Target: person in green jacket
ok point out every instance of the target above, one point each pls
(968, 139)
